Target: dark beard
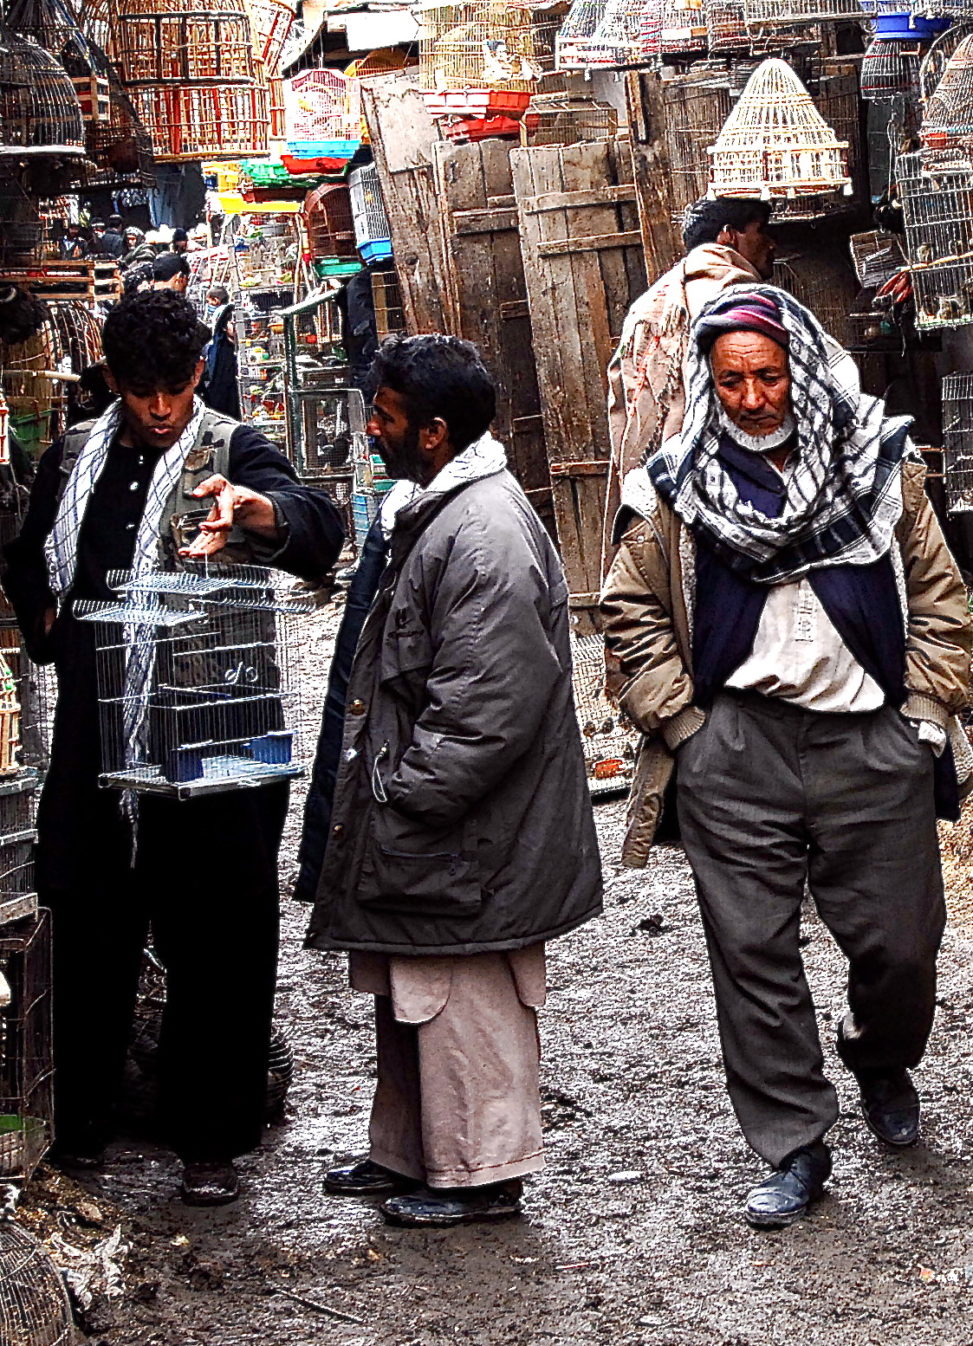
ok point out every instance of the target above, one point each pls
(405, 462)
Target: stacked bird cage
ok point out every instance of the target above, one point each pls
(574, 45)
(118, 148)
(937, 205)
(331, 229)
(478, 62)
(567, 119)
(316, 117)
(39, 108)
(793, 13)
(387, 302)
(775, 143)
(958, 442)
(21, 227)
(683, 27)
(891, 64)
(727, 27)
(696, 107)
(34, 1305)
(948, 116)
(192, 77)
(609, 741)
(371, 223)
(197, 691)
(26, 1070)
(628, 33)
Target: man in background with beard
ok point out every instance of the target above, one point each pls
(461, 837)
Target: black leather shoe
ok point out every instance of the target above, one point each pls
(366, 1179)
(428, 1208)
(785, 1196)
(890, 1106)
(214, 1183)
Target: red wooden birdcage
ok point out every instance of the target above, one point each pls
(329, 222)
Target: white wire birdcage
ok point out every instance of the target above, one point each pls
(683, 27)
(626, 34)
(609, 741)
(573, 44)
(372, 232)
(792, 13)
(316, 106)
(480, 44)
(775, 143)
(876, 257)
(727, 27)
(196, 692)
(890, 70)
(948, 116)
(958, 442)
(937, 206)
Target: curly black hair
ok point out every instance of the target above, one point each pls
(153, 340)
(438, 377)
(21, 315)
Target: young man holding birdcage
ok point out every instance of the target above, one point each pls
(155, 480)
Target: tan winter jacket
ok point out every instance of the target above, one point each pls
(646, 603)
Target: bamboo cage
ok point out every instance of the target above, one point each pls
(328, 221)
(948, 116)
(937, 206)
(792, 13)
(567, 119)
(727, 27)
(387, 302)
(696, 107)
(479, 45)
(877, 257)
(775, 143)
(118, 149)
(270, 26)
(21, 227)
(276, 109)
(193, 78)
(39, 108)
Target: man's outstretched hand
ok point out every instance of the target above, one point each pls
(232, 505)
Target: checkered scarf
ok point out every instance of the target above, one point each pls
(843, 492)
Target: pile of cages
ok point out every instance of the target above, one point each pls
(196, 687)
(958, 442)
(26, 1066)
(937, 205)
(567, 119)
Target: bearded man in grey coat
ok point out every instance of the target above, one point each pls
(461, 837)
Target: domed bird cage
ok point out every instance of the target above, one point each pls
(948, 116)
(478, 59)
(329, 223)
(890, 71)
(51, 24)
(372, 232)
(790, 13)
(936, 191)
(39, 108)
(34, 1305)
(192, 77)
(727, 27)
(316, 115)
(775, 143)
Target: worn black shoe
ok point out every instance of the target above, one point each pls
(214, 1183)
(366, 1179)
(785, 1196)
(890, 1106)
(440, 1209)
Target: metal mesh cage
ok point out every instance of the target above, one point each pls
(573, 45)
(332, 434)
(568, 119)
(948, 116)
(775, 143)
(482, 44)
(937, 205)
(609, 742)
(876, 257)
(195, 686)
(371, 223)
(628, 33)
(26, 1071)
(315, 106)
(39, 108)
(34, 1306)
(958, 442)
(329, 223)
(789, 13)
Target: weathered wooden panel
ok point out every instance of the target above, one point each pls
(584, 265)
(403, 137)
(488, 297)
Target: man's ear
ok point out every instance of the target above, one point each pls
(435, 434)
(727, 237)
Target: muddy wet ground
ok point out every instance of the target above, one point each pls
(632, 1233)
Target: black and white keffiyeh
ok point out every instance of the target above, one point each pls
(843, 488)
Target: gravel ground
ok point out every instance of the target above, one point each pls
(632, 1232)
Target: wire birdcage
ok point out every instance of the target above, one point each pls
(480, 44)
(775, 143)
(196, 686)
(791, 13)
(890, 70)
(328, 220)
(948, 116)
(876, 257)
(683, 27)
(34, 1305)
(568, 119)
(271, 22)
(26, 1068)
(727, 27)
(316, 107)
(628, 33)
(826, 285)
(387, 302)
(958, 442)
(573, 43)
(371, 223)
(937, 206)
(609, 741)
(39, 108)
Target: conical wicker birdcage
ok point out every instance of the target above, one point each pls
(574, 46)
(790, 13)
(192, 76)
(39, 108)
(775, 143)
(948, 116)
(477, 58)
(34, 1306)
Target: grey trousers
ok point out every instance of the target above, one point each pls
(771, 797)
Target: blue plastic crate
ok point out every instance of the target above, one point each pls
(377, 250)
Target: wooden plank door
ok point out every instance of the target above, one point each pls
(584, 265)
(488, 298)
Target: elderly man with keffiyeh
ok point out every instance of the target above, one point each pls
(157, 478)
(796, 642)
